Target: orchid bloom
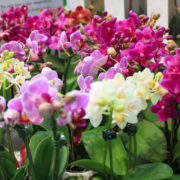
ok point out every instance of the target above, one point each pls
(92, 63)
(117, 95)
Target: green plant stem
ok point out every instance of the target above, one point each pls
(65, 73)
(29, 156)
(111, 159)
(167, 135)
(72, 143)
(172, 134)
(104, 159)
(56, 145)
(10, 144)
(130, 150)
(135, 151)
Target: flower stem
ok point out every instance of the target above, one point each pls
(111, 159)
(130, 151)
(65, 73)
(104, 159)
(10, 144)
(29, 156)
(72, 143)
(56, 145)
(135, 151)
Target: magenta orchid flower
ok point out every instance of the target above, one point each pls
(165, 108)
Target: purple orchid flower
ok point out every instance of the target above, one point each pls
(76, 40)
(118, 68)
(78, 104)
(60, 43)
(84, 83)
(51, 76)
(92, 63)
(15, 47)
(34, 93)
(35, 40)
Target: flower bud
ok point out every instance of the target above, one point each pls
(156, 16)
(101, 102)
(11, 116)
(169, 37)
(69, 98)
(49, 64)
(119, 108)
(57, 105)
(46, 110)
(30, 68)
(63, 114)
(178, 36)
(141, 16)
(10, 55)
(2, 104)
(34, 57)
(158, 76)
(111, 52)
(5, 53)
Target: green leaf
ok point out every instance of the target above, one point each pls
(64, 157)
(176, 151)
(71, 77)
(149, 115)
(19, 174)
(91, 165)
(174, 177)
(95, 147)
(7, 166)
(57, 63)
(36, 139)
(41, 145)
(152, 171)
(151, 142)
(43, 158)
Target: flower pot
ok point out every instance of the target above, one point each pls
(85, 175)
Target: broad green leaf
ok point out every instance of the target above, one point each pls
(7, 166)
(43, 158)
(151, 142)
(42, 149)
(64, 157)
(176, 151)
(19, 174)
(152, 171)
(57, 63)
(149, 115)
(71, 77)
(36, 139)
(92, 165)
(174, 177)
(95, 147)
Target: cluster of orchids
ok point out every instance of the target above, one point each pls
(86, 90)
